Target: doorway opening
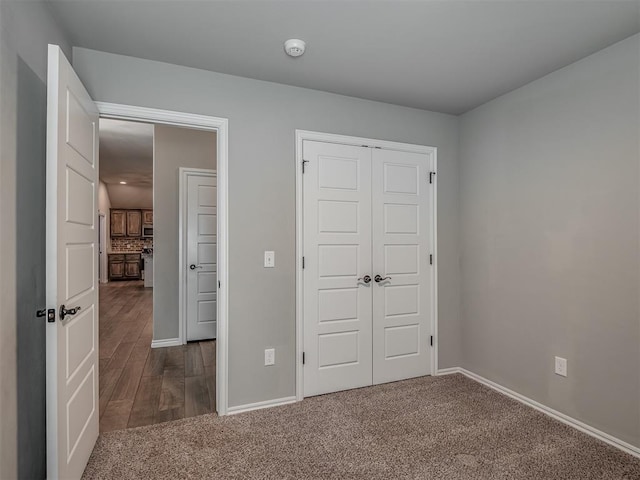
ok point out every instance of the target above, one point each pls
(146, 376)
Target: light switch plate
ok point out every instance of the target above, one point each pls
(269, 259)
(561, 366)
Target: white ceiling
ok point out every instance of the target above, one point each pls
(126, 153)
(446, 56)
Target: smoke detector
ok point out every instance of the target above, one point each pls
(294, 47)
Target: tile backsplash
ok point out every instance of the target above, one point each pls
(130, 244)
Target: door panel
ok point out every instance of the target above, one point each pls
(134, 223)
(147, 217)
(118, 223)
(202, 253)
(402, 242)
(337, 250)
(72, 265)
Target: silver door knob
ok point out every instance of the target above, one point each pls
(365, 279)
(379, 279)
(193, 267)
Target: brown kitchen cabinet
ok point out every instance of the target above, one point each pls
(132, 266)
(118, 223)
(116, 267)
(134, 223)
(147, 217)
(127, 223)
(124, 266)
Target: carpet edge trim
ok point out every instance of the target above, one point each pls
(555, 414)
(248, 407)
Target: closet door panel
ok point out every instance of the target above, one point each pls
(402, 243)
(337, 252)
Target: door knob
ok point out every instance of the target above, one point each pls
(193, 267)
(365, 279)
(379, 279)
(67, 311)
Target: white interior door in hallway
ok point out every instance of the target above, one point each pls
(72, 270)
(201, 244)
(368, 276)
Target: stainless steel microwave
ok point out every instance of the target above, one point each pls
(147, 230)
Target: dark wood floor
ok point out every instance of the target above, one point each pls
(140, 385)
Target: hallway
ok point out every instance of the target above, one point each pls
(139, 385)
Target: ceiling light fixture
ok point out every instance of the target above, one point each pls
(123, 183)
(294, 47)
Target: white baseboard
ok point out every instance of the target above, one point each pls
(167, 342)
(258, 405)
(561, 417)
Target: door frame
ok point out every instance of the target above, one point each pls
(302, 135)
(102, 246)
(221, 126)
(183, 175)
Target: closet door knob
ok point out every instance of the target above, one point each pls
(379, 279)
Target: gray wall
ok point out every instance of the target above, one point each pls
(262, 120)
(130, 196)
(172, 148)
(25, 30)
(549, 214)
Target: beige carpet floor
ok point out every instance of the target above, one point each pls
(427, 428)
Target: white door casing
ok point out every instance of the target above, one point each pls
(72, 265)
(402, 245)
(201, 244)
(221, 126)
(337, 236)
(103, 265)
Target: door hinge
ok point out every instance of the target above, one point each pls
(219, 284)
(431, 175)
(432, 340)
(303, 359)
(304, 164)
(303, 262)
(431, 259)
(50, 314)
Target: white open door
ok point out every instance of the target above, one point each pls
(72, 270)
(202, 275)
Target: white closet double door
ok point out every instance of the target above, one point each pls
(368, 278)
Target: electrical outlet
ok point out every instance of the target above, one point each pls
(269, 259)
(561, 366)
(270, 356)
